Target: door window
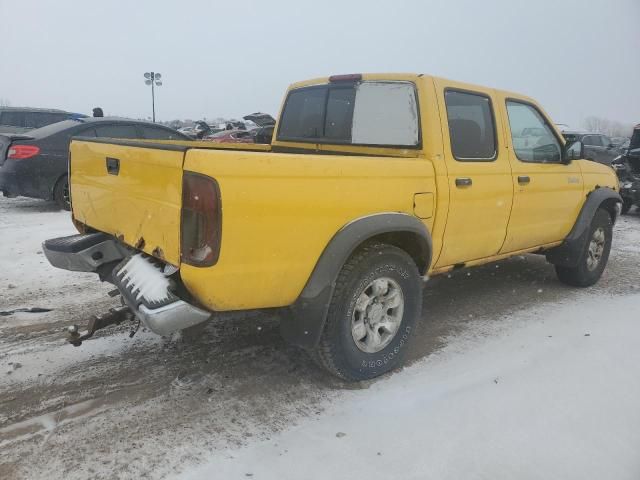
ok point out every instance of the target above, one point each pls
(117, 131)
(15, 119)
(592, 140)
(471, 126)
(532, 137)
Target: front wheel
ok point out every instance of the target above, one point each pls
(372, 314)
(594, 256)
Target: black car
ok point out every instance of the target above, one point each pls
(627, 167)
(23, 119)
(34, 164)
(597, 147)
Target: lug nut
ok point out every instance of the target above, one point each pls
(72, 329)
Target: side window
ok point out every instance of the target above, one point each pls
(157, 133)
(606, 141)
(303, 114)
(42, 119)
(15, 119)
(533, 139)
(471, 126)
(116, 131)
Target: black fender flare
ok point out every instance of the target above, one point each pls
(568, 254)
(303, 322)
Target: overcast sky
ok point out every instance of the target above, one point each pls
(229, 58)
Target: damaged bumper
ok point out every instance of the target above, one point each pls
(144, 283)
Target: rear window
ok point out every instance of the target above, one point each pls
(117, 131)
(471, 126)
(159, 134)
(365, 113)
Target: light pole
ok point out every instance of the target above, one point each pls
(153, 79)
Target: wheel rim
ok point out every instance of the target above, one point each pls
(65, 194)
(596, 248)
(377, 315)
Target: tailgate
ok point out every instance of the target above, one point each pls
(131, 190)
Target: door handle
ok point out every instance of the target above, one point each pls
(113, 166)
(463, 182)
(523, 179)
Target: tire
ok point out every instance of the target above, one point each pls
(61, 193)
(376, 276)
(626, 206)
(594, 256)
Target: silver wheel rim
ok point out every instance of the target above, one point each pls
(596, 247)
(377, 315)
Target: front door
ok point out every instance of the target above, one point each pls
(548, 193)
(478, 173)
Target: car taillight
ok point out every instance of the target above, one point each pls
(201, 222)
(20, 152)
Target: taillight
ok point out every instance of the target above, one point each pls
(201, 222)
(20, 152)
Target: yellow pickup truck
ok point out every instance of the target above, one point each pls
(371, 184)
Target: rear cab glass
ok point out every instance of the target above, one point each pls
(367, 113)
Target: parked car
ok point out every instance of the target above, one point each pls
(231, 136)
(266, 125)
(361, 197)
(627, 167)
(597, 147)
(34, 164)
(20, 120)
(621, 143)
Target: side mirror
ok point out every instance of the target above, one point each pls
(573, 151)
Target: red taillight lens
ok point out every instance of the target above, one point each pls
(20, 152)
(201, 223)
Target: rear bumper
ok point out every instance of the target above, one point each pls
(143, 285)
(19, 178)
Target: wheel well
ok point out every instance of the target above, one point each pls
(55, 184)
(610, 206)
(410, 242)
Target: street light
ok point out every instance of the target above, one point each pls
(153, 79)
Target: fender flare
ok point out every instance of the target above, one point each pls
(568, 254)
(303, 322)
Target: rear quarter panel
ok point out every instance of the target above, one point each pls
(280, 210)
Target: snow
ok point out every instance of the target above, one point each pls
(544, 394)
(146, 278)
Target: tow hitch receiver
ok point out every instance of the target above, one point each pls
(114, 316)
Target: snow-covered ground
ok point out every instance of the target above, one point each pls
(548, 393)
(511, 375)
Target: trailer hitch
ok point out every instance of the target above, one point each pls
(114, 316)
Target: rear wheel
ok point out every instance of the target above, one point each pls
(372, 314)
(61, 193)
(595, 254)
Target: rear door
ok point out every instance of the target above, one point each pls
(478, 172)
(548, 193)
(131, 192)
